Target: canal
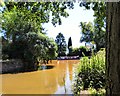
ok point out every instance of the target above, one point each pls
(55, 80)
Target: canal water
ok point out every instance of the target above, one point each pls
(57, 79)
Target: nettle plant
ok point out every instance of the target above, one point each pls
(91, 72)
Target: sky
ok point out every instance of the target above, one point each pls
(70, 25)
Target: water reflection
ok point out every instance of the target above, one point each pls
(52, 81)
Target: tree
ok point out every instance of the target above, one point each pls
(113, 49)
(51, 50)
(99, 23)
(39, 10)
(93, 34)
(70, 45)
(99, 9)
(22, 23)
(87, 32)
(112, 46)
(61, 43)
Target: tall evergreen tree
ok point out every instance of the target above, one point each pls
(61, 43)
(70, 45)
(69, 42)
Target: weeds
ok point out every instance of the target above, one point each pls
(90, 72)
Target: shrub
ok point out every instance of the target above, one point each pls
(83, 48)
(91, 72)
(81, 51)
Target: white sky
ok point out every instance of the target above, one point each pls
(70, 25)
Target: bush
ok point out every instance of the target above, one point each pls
(91, 72)
(81, 51)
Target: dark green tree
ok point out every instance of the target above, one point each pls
(69, 42)
(70, 45)
(61, 43)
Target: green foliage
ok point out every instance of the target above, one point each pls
(18, 23)
(76, 87)
(43, 48)
(22, 25)
(61, 44)
(99, 9)
(43, 9)
(91, 33)
(95, 33)
(83, 48)
(76, 51)
(94, 92)
(87, 31)
(27, 39)
(35, 48)
(91, 72)
(81, 51)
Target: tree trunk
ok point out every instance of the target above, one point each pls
(113, 49)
